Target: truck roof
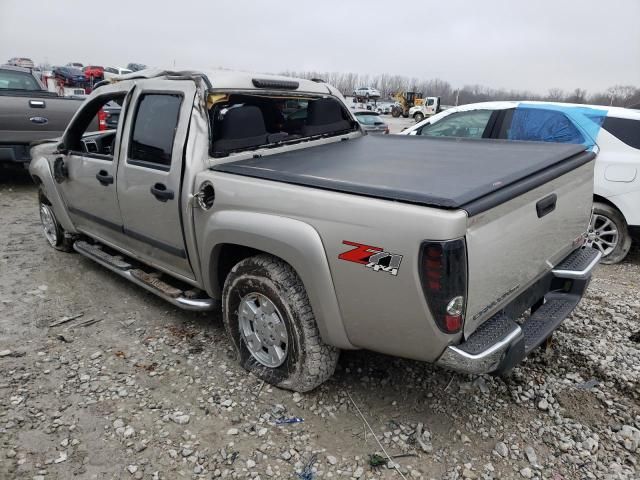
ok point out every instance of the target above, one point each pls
(231, 80)
(473, 175)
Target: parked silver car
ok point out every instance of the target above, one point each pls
(371, 121)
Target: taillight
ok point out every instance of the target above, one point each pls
(443, 274)
(102, 120)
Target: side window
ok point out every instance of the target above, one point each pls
(93, 131)
(624, 129)
(539, 125)
(461, 124)
(154, 129)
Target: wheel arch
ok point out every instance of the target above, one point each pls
(231, 236)
(601, 199)
(43, 177)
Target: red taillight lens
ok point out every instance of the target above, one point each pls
(102, 120)
(443, 273)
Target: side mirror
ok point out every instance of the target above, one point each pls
(61, 149)
(60, 172)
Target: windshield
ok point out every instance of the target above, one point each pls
(369, 119)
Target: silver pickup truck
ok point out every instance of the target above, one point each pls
(261, 195)
(28, 113)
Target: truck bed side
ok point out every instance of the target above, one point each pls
(511, 241)
(28, 118)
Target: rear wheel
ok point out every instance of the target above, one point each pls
(268, 316)
(608, 232)
(418, 117)
(52, 230)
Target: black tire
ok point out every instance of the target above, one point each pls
(624, 238)
(309, 361)
(418, 117)
(58, 239)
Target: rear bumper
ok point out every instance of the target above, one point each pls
(500, 343)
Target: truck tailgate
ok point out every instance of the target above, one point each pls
(514, 243)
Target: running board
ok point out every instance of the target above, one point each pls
(149, 281)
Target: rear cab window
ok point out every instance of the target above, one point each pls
(244, 122)
(13, 80)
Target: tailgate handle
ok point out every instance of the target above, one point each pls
(37, 104)
(546, 205)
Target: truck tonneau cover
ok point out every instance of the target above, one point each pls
(473, 175)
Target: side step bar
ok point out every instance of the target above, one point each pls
(148, 281)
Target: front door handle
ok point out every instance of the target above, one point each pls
(160, 191)
(104, 178)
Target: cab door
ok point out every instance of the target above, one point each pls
(150, 173)
(90, 165)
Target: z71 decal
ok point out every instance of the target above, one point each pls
(372, 257)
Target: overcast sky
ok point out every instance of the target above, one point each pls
(532, 44)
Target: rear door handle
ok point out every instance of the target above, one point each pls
(37, 104)
(160, 191)
(104, 178)
(546, 205)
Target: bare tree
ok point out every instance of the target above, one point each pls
(555, 94)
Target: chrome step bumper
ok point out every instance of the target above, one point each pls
(500, 343)
(579, 264)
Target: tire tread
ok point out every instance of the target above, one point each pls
(318, 361)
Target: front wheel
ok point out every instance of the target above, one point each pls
(608, 232)
(418, 117)
(268, 316)
(52, 230)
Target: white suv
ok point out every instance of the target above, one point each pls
(612, 131)
(368, 92)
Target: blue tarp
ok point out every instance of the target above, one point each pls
(556, 123)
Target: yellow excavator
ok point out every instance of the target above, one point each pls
(404, 101)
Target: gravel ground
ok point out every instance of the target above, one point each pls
(134, 388)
